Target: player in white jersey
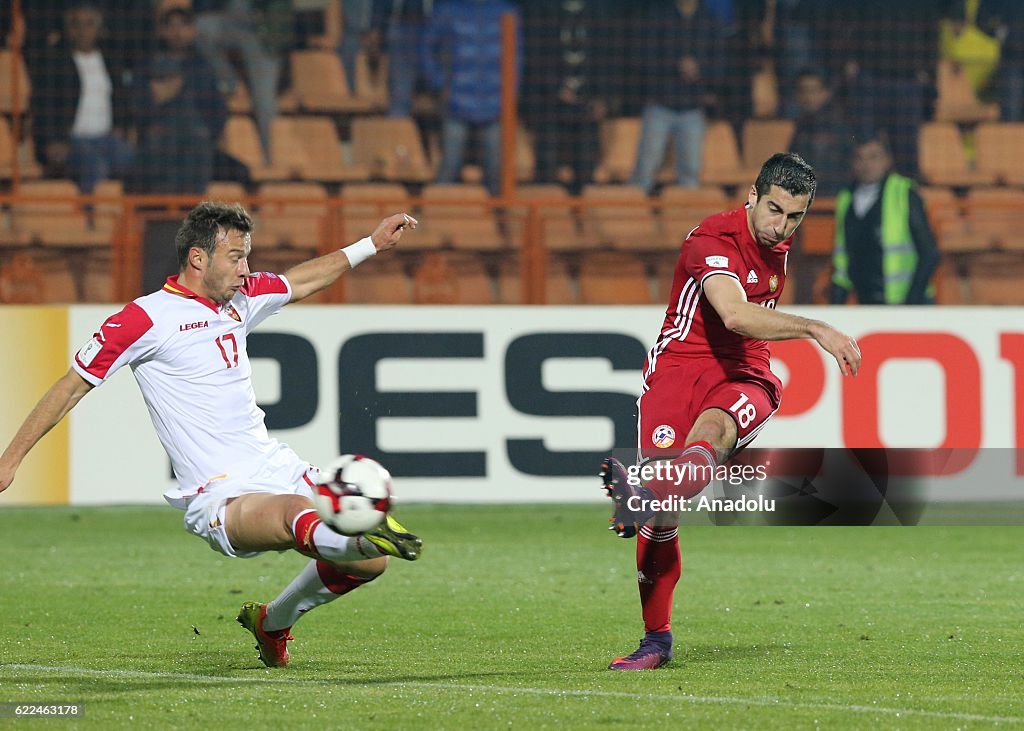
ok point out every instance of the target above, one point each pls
(241, 490)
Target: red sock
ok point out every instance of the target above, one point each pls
(687, 474)
(337, 581)
(658, 565)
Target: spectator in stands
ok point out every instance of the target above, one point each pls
(886, 53)
(178, 111)
(884, 247)
(356, 19)
(822, 136)
(681, 54)
(231, 26)
(78, 102)
(469, 34)
(398, 26)
(570, 84)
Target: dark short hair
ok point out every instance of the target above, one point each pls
(203, 223)
(872, 137)
(790, 172)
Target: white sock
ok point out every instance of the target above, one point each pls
(317, 584)
(313, 537)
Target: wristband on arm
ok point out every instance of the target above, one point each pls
(359, 252)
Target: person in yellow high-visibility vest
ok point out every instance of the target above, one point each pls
(885, 251)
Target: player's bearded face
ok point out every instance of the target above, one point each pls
(774, 216)
(227, 269)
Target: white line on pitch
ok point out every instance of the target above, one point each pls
(684, 698)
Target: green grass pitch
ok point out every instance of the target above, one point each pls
(510, 620)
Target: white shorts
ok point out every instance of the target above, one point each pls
(206, 510)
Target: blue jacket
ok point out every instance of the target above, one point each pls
(461, 53)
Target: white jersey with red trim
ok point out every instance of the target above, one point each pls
(188, 355)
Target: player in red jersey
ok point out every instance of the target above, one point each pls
(240, 490)
(707, 379)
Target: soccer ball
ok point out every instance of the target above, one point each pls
(353, 495)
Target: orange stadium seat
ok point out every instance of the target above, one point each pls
(366, 204)
(54, 218)
(226, 191)
(817, 234)
(318, 80)
(764, 92)
(462, 226)
(297, 220)
(37, 276)
(996, 280)
(322, 157)
(684, 208)
(559, 227)
(762, 138)
(620, 216)
(450, 278)
(722, 162)
(380, 280)
(956, 100)
(942, 205)
(950, 287)
(559, 288)
(390, 148)
(941, 157)
(15, 88)
(1000, 148)
(242, 141)
(372, 83)
(619, 140)
(613, 278)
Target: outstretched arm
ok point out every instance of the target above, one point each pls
(311, 276)
(52, 407)
(753, 321)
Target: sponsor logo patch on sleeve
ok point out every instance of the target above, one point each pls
(89, 351)
(717, 261)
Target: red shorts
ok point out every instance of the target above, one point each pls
(677, 392)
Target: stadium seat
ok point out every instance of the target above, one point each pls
(996, 280)
(449, 278)
(762, 138)
(7, 149)
(817, 234)
(942, 205)
(559, 288)
(620, 216)
(722, 162)
(619, 140)
(366, 204)
(318, 80)
(372, 83)
(764, 92)
(941, 157)
(37, 276)
(956, 100)
(390, 148)
(226, 191)
(613, 278)
(98, 277)
(1000, 148)
(54, 217)
(297, 220)
(379, 280)
(462, 226)
(684, 208)
(15, 88)
(242, 141)
(950, 287)
(559, 227)
(322, 157)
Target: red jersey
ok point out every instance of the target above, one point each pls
(721, 245)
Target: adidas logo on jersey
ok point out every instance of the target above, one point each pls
(752, 277)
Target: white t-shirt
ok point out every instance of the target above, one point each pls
(94, 116)
(189, 358)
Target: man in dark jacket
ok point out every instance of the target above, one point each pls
(179, 112)
(78, 101)
(821, 136)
